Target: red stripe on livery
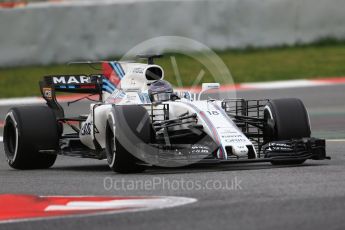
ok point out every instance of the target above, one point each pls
(87, 86)
(110, 74)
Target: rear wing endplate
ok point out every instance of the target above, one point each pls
(91, 84)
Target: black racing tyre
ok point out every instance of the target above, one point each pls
(27, 130)
(289, 120)
(124, 123)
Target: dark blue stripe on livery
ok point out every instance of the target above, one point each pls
(108, 83)
(107, 89)
(121, 69)
(116, 68)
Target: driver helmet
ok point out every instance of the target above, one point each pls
(160, 91)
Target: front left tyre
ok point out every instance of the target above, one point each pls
(27, 130)
(127, 131)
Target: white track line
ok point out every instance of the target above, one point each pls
(282, 84)
(1, 139)
(21, 101)
(336, 140)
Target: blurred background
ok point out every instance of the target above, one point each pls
(258, 40)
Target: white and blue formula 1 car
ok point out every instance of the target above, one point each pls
(139, 121)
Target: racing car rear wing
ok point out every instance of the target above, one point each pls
(74, 83)
(91, 84)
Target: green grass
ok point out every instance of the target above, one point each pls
(249, 65)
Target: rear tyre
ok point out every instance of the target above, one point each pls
(121, 127)
(27, 130)
(289, 120)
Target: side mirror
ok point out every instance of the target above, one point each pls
(206, 87)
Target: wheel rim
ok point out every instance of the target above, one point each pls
(10, 139)
(270, 133)
(110, 147)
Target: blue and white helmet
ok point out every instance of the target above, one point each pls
(160, 91)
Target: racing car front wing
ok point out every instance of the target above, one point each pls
(288, 151)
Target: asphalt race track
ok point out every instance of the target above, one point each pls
(257, 196)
